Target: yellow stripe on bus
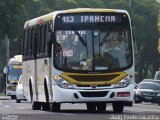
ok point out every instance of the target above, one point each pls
(17, 66)
(115, 80)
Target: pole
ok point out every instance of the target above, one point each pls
(7, 48)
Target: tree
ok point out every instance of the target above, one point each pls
(143, 13)
(12, 15)
(159, 22)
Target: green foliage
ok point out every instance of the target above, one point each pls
(159, 22)
(65, 4)
(144, 14)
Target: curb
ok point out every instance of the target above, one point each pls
(4, 97)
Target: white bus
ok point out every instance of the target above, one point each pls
(68, 58)
(13, 71)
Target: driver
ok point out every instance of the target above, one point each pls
(115, 52)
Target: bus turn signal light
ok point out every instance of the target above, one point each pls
(123, 94)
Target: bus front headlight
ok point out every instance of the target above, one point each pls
(124, 83)
(64, 84)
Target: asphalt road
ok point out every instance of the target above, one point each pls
(10, 110)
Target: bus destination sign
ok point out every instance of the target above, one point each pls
(66, 19)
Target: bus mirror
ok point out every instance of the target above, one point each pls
(5, 70)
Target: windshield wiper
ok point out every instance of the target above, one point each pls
(104, 39)
(80, 38)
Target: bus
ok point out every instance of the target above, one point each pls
(68, 58)
(13, 71)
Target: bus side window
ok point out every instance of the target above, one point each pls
(42, 39)
(29, 43)
(36, 40)
(32, 44)
(25, 44)
(47, 41)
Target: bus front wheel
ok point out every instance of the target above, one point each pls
(101, 107)
(118, 106)
(91, 107)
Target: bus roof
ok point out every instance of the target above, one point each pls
(48, 17)
(16, 59)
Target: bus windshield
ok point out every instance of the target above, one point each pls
(92, 50)
(14, 72)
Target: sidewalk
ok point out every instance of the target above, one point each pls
(4, 97)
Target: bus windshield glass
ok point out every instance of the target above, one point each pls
(14, 72)
(92, 47)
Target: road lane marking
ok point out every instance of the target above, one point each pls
(20, 108)
(7, 106)
(68, 114)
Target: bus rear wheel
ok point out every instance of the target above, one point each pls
(36, 105)
(55, 107)
(45, 106)
(118, 107)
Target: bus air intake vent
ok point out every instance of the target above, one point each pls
(94, 94)
(105, 85)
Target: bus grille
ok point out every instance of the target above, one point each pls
(105, 85)
(94, 94)
(93, 78)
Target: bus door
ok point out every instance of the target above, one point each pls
(36, 40)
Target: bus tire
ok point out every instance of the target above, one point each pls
(55, 107)
(30, 90)
(45, 106)
(118, 106)
(101, 107)
(46, 92)
(18, 101)
(13, 97)
(35, 105)
(91, 107)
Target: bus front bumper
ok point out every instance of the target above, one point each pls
(61, 95)
(10, 93)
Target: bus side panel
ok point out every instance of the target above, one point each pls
(28, 72)
(42, 74)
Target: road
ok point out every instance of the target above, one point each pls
(10, 110)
